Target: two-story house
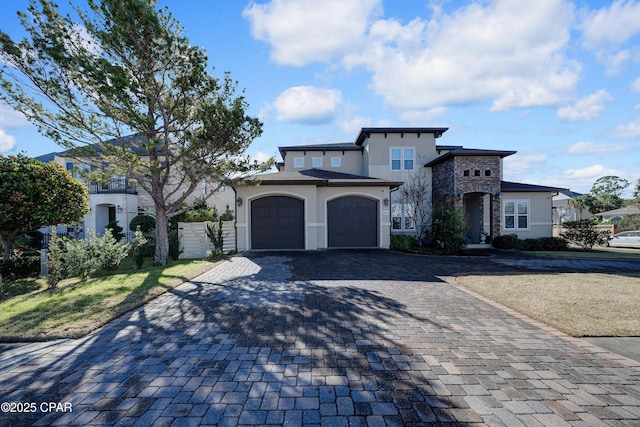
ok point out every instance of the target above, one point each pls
(345, 194)
(120, 199)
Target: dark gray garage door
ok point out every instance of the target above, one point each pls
(352, 222)
(277, 222)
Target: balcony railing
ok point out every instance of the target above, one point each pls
(114, 186)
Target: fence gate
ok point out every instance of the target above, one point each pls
(194, 242)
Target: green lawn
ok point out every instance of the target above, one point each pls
(34, 313)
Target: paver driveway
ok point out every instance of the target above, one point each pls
(328, 338)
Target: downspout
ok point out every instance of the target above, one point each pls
(235, 219)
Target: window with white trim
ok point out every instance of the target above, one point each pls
(515, 215)
(402, 217)
(402, 158)
(298, 162)
(317, 162)
(336, 162)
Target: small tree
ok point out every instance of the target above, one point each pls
(583, 234)
(115, 229)
(607, 193)
(146, 223)
(35, 194)
(416, 193)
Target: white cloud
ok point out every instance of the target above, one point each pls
(305, 31)
(521, 163)
(7, 142)
(504, 52)
(606, 31)
(586, 108)
(10, 118)
(629, 131)
(580, 180)
(307, 104)
(261, 156)
(635, 86)
(591, 148)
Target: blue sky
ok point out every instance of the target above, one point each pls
(559, 81)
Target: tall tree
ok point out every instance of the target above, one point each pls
(125, 68)
(35, 194)
(579, 204)
(636, 194)
(607, 193)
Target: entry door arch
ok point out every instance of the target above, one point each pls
(277, 222)
(352, 222)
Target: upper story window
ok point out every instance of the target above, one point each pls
(402, 158)
(336, 162)
(317, 162)
(298, 162)
(516, 215)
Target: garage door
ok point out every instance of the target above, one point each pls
(352, 222)
(277, 222)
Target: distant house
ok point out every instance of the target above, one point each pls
(563, 211)
(617, 214)
(345, 194)
(119, 199)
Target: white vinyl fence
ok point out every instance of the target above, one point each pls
(194, 242)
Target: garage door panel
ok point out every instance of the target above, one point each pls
(352, 222)
(277, 222)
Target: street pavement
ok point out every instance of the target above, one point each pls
(331, 338)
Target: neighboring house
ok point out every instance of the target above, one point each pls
(120, 199)
(345, 194)
(563, 211)
(617, 214)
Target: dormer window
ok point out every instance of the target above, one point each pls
(402, 158)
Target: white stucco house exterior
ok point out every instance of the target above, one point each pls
(341, 195)
(121, 199)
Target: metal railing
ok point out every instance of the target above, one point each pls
(115, 185)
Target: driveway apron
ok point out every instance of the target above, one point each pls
(336, 338)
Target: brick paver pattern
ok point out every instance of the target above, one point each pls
(340, 339)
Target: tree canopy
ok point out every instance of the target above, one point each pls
(606, 193)
(35, 194)
(123, 68)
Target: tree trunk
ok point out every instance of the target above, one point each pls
(162, 236)
(6, 249)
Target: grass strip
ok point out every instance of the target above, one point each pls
(75, 309)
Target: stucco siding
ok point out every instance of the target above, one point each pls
(540, 215)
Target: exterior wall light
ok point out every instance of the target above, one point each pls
(239, 201)
(386, 201)
(119, 209)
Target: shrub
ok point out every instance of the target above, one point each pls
(20, 265)
(146, 223)
(227, 215)
(107, 250)
(201, 215)
(139, 249)
(174, 244)
(508, 241)
(584, 234)
(629, 222)
(116, 230)
(402, 242)
(554, 243)
(448, 231)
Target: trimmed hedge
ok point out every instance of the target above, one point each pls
(511, 241)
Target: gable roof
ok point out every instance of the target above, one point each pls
(366, 132)
(512, 187)
(323, 178)
(468, 152)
